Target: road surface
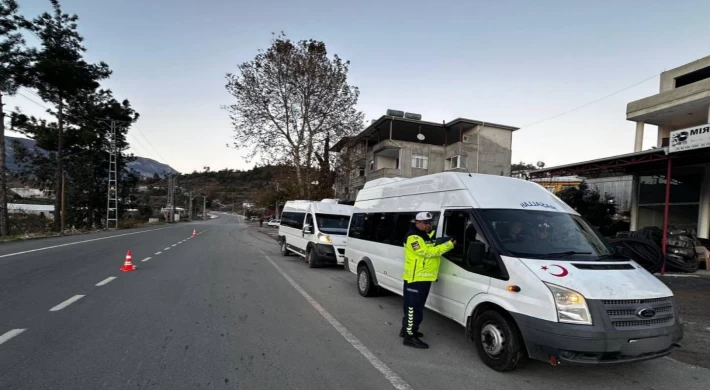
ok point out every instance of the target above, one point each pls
(224, 310)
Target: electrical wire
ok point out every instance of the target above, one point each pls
(76, 117)
(589, 104)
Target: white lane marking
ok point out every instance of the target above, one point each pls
(166, 249)
(174, 245)
(157, 253)
(10, 334)
(390, 375)
(146, 259)
(67, 302)
(105, 281)
(81, 242)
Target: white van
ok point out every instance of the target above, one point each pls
(315, 230)
(528, 276)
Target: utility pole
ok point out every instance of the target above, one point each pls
(204, 207)
(189, 207)
(112, 206)
(172, 217)
(277, 201)
(64, 191)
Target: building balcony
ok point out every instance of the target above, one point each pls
(677, 108)
(384, 172)
(387, 146)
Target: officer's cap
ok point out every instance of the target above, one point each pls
(424, 217)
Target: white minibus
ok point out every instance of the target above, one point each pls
(315, 230)
(528, 276)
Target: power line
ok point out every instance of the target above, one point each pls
(153, 147)
(590, 103)
(75, 117)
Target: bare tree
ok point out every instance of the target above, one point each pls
(291, 99)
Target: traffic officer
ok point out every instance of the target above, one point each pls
(421, 267)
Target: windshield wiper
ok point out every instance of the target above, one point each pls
(568, 253)
(612, 256)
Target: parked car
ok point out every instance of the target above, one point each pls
(274, 223)
(527, 275)
(315, 230)
(254, 219)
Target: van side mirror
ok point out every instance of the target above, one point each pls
(476, 254)
(308, 229)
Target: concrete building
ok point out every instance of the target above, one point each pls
(670, 183)
(399, 145)
(683, 101)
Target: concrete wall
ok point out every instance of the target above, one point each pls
(434, 152)
(668, 77)
(495, 150)
(385, 162)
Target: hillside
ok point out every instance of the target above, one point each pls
(146, 167)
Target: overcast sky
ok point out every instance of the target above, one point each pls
(509, 62)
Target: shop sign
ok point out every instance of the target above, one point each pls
(691, 138)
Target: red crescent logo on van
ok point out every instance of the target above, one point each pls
(563, 270)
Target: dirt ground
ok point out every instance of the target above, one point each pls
(693, 296)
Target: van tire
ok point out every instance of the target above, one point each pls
(365, 286)
(311, 258)
(284, 247)
(498, 342)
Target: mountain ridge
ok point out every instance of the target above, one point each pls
(146, 167)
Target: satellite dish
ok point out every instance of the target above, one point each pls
(420, 137)
(540, 164)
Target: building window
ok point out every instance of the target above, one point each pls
(455, 162)
(362, 172)
(420, 161)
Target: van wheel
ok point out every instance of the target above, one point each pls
(311, 258)
(497, 341)
(364, 282)
(284, 248)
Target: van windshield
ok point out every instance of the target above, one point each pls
(545, 234)
(333, 224)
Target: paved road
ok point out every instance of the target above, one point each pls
(224, 310)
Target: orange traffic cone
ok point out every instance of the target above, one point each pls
(128, 264)
(194, 232)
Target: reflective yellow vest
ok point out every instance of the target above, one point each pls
(422, 257)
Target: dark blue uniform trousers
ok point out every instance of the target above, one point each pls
(415, 295)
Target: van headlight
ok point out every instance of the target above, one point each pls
(324, 238)
(571, 305)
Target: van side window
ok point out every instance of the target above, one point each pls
(460, 225)
(357, 224)
(402, 225)
(385, 228)
(383, 232)
(455, 222)
(292, 220)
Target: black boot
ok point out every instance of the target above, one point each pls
(414, 342)
(402, 333)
